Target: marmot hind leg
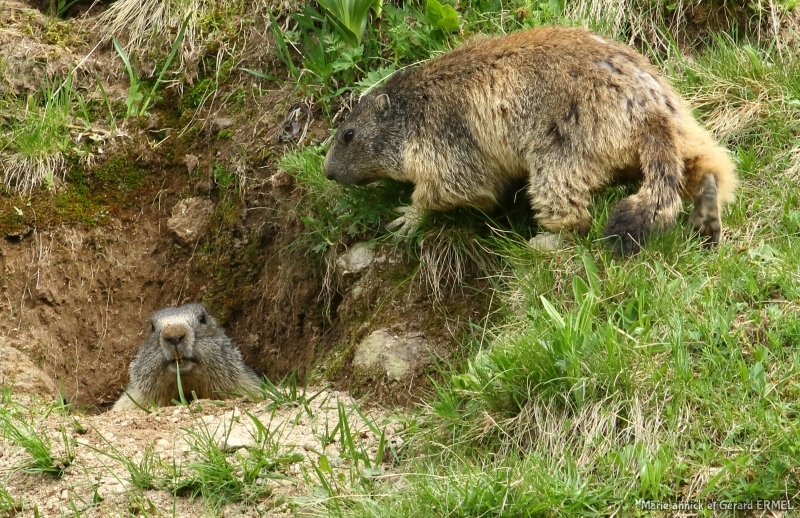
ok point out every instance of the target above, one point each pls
(658, 202)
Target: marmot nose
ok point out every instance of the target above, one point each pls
(174, 334)
(174, 339)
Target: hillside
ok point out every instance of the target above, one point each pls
(161, 152)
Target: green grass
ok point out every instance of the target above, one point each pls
(221, 476)
(44, 458)
(333, 214)
(8, 505)
(670, 376)
(34, 146)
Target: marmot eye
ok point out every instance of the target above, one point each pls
(152, 326)
(348, 135)
(202, 318)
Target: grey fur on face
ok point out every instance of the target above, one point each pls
(368, 143)
(186, 338)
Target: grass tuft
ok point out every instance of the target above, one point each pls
(44, 459)
(37, 143)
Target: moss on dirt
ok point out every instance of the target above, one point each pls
(231, 260)
(87, 197)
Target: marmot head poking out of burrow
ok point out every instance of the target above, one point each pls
(186, 339)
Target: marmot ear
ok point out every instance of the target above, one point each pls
(382, 103)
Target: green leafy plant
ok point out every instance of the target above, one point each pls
(40, 138)
(286, 393)
(441, 16)
(339, 52)
(350, 17)
(60, 7)
(220, 477)
(149, 472)
(8, 505)
(139, 98)
(37, 444)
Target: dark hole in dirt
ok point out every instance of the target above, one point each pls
(335, 302)
(18, 236)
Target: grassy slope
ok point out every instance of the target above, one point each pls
(669, 376)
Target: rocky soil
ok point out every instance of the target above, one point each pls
(172, 449)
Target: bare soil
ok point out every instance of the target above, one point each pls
(84, 265)
(96, 482)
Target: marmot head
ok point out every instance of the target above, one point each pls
(368, 145)
(178, 331)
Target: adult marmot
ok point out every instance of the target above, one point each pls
(567, 109)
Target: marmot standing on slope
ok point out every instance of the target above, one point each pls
(567, 109)
(211, 366)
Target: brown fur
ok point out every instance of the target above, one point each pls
(567, 109)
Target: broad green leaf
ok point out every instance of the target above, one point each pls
(553, 312)
(350, 17)
(441, 16)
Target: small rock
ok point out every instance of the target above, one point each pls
(108, 489)
(238, 438)
(190, 219)
(221, 123)
(395, 356)
(547, 242)
(356, 260)
(191, 162)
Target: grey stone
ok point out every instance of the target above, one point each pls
(189, 220)
(230, 431)
(221, 123)
(356, 260)
(396, 357)
(547, 242)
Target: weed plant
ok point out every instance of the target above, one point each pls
(333, 214)
(34, 146)
(220, 476)
(137, 102)
(8, 505)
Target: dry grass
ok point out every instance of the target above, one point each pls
(231, 28)
(448, 257)
(25, 173)
(658, 22)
